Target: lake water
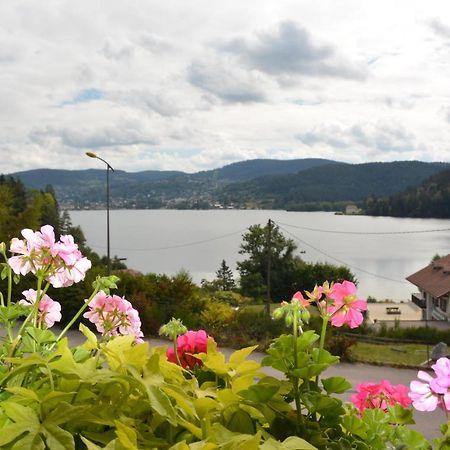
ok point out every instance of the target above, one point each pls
(165, 241)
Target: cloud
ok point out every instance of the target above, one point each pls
(378, 138)
(126, 133)
(439, 28)
(232, 85)
(291, 50)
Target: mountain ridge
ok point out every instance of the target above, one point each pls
(258, 183)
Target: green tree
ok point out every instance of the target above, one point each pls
(224, 278)
(270, 260)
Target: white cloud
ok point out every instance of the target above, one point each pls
(177, 85)
(290, 49)
(384, 140)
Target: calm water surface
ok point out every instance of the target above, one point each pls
(165, 241)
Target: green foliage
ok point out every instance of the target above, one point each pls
(329, 183)
(259, 244)
(111, 393)
(224, 278)
(20, 208)
(288, 272)
(430, 199)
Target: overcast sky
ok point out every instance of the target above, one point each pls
(198, 84)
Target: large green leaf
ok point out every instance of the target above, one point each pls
(57, 438)
(260, 393)
(336, 385)
(126, 435)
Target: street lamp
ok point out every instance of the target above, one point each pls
(108, 166)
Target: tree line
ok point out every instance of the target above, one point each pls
(430, 199)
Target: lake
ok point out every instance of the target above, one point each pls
(165, 241)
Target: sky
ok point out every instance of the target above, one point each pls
(194, 85)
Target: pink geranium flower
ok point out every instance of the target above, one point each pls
(380, 396)
(299, 297)
(346, 307)
(61, 263)
(431, 392)
(114, 316)
(49, 310)
(189, 344)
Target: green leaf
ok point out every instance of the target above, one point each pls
(306, 340)
(40, 336)
(90, 445)
(63, 413)
(311, 370)
(92, 342)
(160, 402)
(24, 415)
(204, 405)
(296, 443)
(30, 441)
(13, 312)
(25, 393)
(11, 432)
(325, 357)
(126, 435)
(412, 439)
(57, 438)
(239, 356)
(259, 393)
(336, 385)
(5, 271)
(401, 415)
(241, 422)
(354, 425)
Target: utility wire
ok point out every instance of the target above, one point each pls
(169, 247)
(337, 259)
(319, 230)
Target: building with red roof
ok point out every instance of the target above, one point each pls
(433, 282)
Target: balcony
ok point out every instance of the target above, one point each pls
(417, 299)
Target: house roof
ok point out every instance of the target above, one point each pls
(434, 278)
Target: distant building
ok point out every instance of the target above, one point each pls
(433, 282)
(352, 209)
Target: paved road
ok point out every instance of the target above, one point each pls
(426, 423)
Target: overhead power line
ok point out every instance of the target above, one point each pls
(319, 230)
(337, 259)
(169, 247)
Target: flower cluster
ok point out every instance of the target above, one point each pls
(338, 301)
(431, 392)
(49, 310)
(380, 396)
(114, 316)
(189, 344)
(59, 262)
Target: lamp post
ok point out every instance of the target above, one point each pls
(108, 166)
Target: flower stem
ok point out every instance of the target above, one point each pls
(295, 379)
(175, 349)
(75, 317)
(323, 334)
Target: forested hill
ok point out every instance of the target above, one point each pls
(331, 183)
(430, 199)
(156, 189)
(288, 184)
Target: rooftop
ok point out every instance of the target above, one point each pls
(434, 278)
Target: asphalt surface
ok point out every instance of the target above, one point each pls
(426, 422)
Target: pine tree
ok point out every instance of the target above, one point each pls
(224, 278)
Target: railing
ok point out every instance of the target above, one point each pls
(418, 300)
(438, 314)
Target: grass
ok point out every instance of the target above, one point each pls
(402, 354)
